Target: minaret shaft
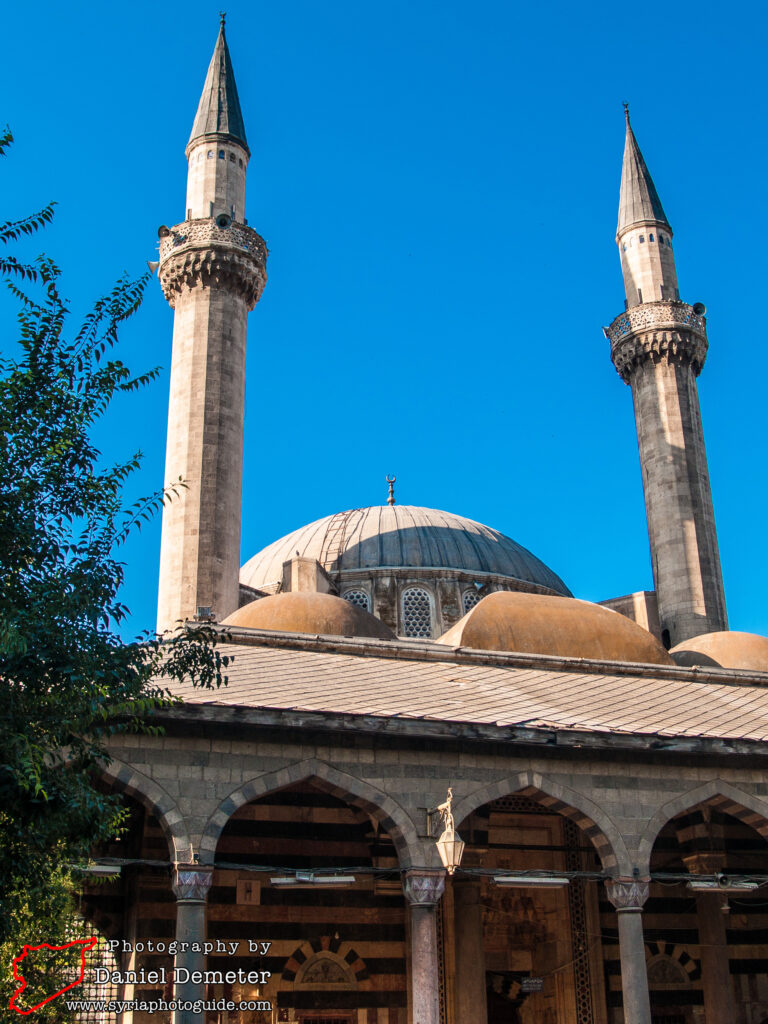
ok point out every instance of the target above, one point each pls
(658, 347)
(200, 547)
(678, 499)
(212, 270)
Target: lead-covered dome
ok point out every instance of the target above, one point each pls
(403, 537)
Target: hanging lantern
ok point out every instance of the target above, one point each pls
(450, 845)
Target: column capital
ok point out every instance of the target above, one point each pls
(423, 888)
(628, 895)
(191, 882)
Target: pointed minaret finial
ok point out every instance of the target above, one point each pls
(391, 482)
(626, 112)
(223, 19)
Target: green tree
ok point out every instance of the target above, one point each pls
(67, 679)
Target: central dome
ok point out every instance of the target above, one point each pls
(401, 537)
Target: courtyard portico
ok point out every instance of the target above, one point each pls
(315, 844)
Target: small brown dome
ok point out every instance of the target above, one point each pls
(565, 626)
(309, 612)
(747, 651)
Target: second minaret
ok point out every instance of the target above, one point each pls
(658, 346)
(213, 271)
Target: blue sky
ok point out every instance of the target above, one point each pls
(438, 186)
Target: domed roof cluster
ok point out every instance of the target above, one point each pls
(397, 537)
(503, 621)
(542, 619)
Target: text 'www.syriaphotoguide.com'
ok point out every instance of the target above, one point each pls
(163, 1005)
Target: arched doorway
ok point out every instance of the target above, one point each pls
(316, 877)
(135, 908)
(536, 951)
(707, 957)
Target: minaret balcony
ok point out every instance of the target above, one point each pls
(208, 232)
(657, 331)
(212, 252)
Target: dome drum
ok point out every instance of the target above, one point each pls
(447, 592)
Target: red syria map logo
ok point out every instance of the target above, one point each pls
(85, 946)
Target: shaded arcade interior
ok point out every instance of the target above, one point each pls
(507, 954)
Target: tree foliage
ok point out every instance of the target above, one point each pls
(67, 679)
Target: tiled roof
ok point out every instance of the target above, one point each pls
(296, 675)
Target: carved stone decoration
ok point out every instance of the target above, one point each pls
(324, 971)
(424, 888)
(663, 970)
(666, 313)
(627, 894)
(192, 882)
(200, 254)
(658, 331)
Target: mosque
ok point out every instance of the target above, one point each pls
(438, 787)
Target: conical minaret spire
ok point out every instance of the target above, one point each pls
(658, 346)
(639, 201)
(213, 270)
(219, 113)
(644, 235)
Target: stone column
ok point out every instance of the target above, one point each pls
(628, 897)
(191, 884)
(423, 890)
(471, 1002)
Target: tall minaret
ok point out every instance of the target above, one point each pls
(213, 271)
(658, 346)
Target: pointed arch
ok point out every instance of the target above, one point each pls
(593, 821)
(129, 780)
(751, 810)
(390, 815)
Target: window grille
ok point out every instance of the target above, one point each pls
(358, 598)
(469, 599)
(100, 956)
(417, 613)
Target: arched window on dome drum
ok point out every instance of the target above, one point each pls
(417, 612)
(469, 599)
(358, 598)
